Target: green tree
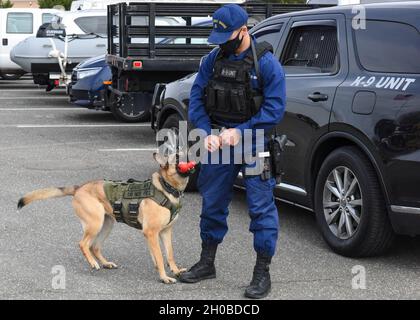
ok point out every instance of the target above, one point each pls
(6, 4)
(43, 4)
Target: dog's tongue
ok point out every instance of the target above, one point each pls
(184, 167)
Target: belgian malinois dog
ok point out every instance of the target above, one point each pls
(97, 215)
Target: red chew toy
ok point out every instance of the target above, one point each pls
(184, 167)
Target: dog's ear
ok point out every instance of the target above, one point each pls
(162, 160)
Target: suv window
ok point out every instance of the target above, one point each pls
(311, 49)
(271, 34)
(388, 38)
(19, 22)
(92, 24)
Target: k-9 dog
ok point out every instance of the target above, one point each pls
(151, 206)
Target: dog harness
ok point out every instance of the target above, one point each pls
(125, 198)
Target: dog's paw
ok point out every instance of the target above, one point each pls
(110, 265)
(178, 272)
(95, 266)
(168, 280)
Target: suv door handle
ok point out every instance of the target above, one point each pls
(5, 41)
(317, 96)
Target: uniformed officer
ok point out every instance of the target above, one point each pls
(217, 100)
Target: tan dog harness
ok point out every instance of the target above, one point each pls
(125, 198)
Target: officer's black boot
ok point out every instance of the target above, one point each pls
(203, 269)
(260, 284)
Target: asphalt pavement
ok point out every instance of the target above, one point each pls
(46, 141)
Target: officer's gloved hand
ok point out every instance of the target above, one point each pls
(212, 142)
(230, 137)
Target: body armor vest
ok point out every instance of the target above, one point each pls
(229, 95)
(125, 198)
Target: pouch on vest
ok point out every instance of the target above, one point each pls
(221, 102)
(117, 208)
(210, 99)
(238, 101)
(131, 218)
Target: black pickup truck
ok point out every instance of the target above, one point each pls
(155, 42)
(352, 119)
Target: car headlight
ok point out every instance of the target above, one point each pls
(83, 73)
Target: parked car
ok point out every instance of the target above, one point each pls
(352, 120)
(87, 82)
(85, 37)
(15, 26)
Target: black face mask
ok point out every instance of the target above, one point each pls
(231, 46)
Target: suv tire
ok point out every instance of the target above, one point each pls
(362, 204)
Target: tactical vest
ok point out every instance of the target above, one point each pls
(125, 198)
(229, 95)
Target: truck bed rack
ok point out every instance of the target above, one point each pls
(123, 50)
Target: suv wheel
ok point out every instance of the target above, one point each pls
(350, 207)
(172, 123)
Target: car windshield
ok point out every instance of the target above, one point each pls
(92, 25)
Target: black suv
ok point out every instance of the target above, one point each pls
(352, 119)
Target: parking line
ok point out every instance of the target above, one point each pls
(49, 145)
(36, 97)
(127, 149)
(77, 125)
(41, 109)
(29, 88)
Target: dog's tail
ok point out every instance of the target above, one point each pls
(47, 193)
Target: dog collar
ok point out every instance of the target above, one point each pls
(168, 188)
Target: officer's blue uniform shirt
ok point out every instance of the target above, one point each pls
(274, 92)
